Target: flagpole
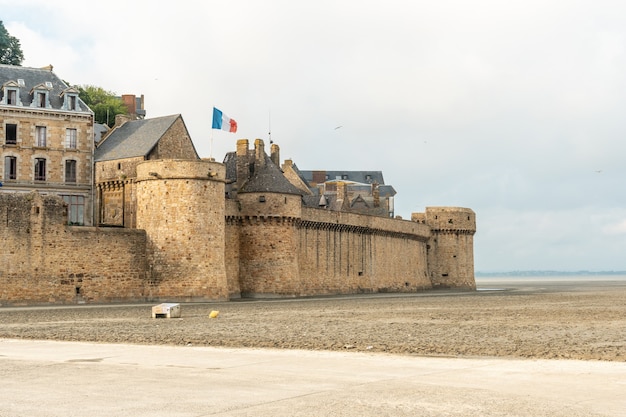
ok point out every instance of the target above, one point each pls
(211, 147)
(269, 122)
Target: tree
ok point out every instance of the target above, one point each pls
(10, 49)
(104, 104)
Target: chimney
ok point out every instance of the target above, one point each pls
(342, 194)
(120, 119)
(376, 194)
(243, 164)
(259, 154)
(130, 102)
(275, 154)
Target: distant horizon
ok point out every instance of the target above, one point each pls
(545, 273)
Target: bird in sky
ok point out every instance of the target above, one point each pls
(338, 127)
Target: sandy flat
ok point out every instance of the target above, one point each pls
(552, 318)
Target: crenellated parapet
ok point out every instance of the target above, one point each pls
(361, 229)
(274, 220)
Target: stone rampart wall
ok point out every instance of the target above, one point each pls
(213, 252)
(345, 253)
(44, 261)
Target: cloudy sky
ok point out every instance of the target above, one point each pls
(515, 109)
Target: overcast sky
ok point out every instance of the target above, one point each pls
(515, 109)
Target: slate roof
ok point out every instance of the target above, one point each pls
(99, 130)
(36, 76)
(134, 138)
(356, 176)
(230, 161)
(269, 179)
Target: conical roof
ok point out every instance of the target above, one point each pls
(269, 179)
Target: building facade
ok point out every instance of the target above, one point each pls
(46, 139)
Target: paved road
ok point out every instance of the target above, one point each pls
(45, 378)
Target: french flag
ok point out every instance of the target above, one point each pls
(223, 122)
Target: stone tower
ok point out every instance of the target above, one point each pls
(181, 208)
(270, 207)
(451, 247)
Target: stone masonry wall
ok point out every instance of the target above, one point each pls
(44, 261)
(181, 208)
(451, 247)
(231, 248)
(175, 144)
(344, 253)
(55, 150)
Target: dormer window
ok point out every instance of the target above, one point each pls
(41, 99)
(11, 96)
(70, 99)
(40, 96)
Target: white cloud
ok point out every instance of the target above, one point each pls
(618, 228)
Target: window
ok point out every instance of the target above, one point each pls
(76, 205)
(70, 138)
(40, 169)
(10, 167)
(41, 99)
(71, 102)
(40, 132)
(12, 97)
(70, 171)
(11, 134)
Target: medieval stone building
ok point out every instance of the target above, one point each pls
(118, 153)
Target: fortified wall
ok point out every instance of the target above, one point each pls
(193, 244)
(45, 261)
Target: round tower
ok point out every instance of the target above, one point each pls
(269, 209)
(180, 205)
(451, 247)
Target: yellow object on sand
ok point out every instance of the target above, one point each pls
(214, 314)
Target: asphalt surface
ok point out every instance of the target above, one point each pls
(49, 378)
